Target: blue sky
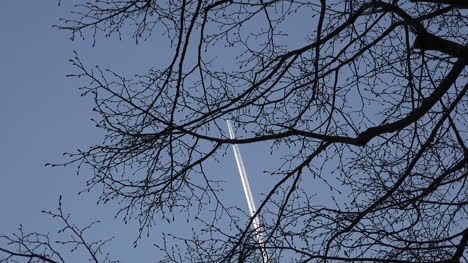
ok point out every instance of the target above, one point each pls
(42, 116)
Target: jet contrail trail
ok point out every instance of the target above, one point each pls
(248, 194)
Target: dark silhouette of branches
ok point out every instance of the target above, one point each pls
(367, 97)
(37, 247)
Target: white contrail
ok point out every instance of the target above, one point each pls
(248, 194)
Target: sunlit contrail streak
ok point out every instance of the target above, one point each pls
(248, 194)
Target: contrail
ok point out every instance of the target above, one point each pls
(248, 194)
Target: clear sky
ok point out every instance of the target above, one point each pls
(42, 116)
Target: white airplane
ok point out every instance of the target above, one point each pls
(248, 195)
